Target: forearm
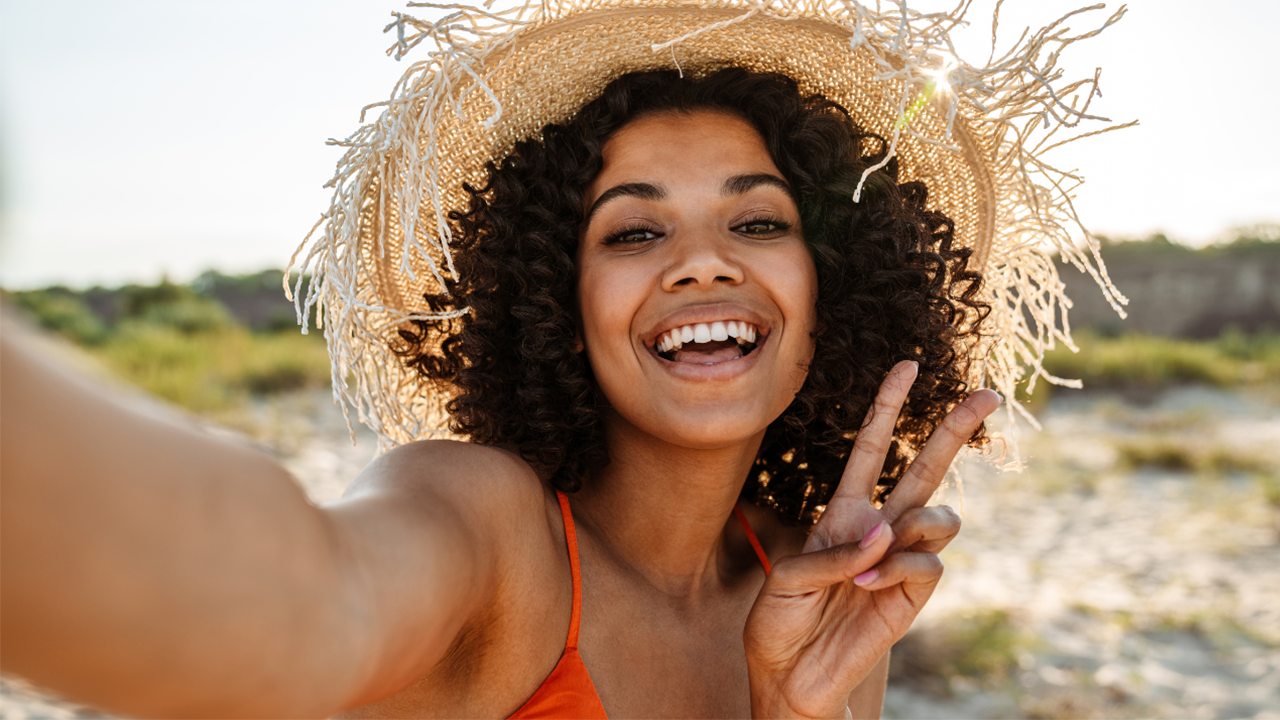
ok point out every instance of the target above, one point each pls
(153, 569)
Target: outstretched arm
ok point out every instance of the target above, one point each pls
(152, 569)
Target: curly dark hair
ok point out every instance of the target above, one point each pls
(891, 287)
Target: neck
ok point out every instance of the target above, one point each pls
(661, 509)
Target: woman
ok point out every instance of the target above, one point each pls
(668, 292)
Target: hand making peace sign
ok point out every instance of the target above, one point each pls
(825, 617)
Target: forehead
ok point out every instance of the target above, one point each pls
(700, 143)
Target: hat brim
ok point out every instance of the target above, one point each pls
(550, 72)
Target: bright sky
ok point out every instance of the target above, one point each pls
(140, 137)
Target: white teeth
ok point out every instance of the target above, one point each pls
(675, 338)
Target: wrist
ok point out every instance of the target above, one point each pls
(769, 701)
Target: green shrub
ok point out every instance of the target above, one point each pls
(212, 371)
(180, 343)
(188, 316)
(183, 368)
(1151, 362)
(61, 312)
(284, 361)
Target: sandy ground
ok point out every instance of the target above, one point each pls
(1129, 590)
(1095, 584)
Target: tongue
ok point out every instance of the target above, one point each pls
(708, 353)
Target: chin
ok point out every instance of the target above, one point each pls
(711, 429)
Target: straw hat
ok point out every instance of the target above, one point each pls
(486, 79)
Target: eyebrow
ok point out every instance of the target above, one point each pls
(736, 185)
(644, 191)
(740, 184)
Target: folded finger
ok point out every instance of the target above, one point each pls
(926, 529)
(862, 472)
(919, 570)
(930, 466)
(807, 572)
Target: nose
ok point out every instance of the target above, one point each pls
(701, 259)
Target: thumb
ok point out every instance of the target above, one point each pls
(807, 572)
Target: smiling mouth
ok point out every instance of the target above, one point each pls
(708, 343)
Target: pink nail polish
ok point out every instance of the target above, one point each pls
(866, 578)
(871, 536)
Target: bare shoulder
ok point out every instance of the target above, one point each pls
(465, 471)
(464, 535)
(485, 497)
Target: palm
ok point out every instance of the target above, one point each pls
(814, 634)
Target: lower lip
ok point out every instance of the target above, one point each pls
(720, 371)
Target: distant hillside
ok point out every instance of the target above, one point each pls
(255, 301)
(1176, 291)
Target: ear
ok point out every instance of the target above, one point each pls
(578, 346)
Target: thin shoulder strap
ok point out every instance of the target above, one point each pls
(571, 539)
(751, 537)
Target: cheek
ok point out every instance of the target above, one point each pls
(796, 278)
(607, 300)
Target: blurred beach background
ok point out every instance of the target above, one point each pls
(160, 162)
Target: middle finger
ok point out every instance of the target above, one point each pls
(930, 466)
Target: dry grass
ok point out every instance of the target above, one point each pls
(981, 646)
(1168, 452)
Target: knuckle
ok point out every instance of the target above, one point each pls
(843, 553)
(932, 566)
(954, 427)
(872, 449)
(948, 517)
(884, 405)
(926, 468)
(965, 416)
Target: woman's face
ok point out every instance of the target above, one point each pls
(695, 286)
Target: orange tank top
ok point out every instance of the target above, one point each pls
(568, 691)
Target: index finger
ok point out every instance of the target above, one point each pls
(930, 466)
(862, 471)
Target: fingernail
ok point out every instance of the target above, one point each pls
(866, 578)
(870, 537)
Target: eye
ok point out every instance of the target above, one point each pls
(763, 227)
(632, 236)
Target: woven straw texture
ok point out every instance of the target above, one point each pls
(975, 135)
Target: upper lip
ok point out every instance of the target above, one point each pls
(705, 314)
